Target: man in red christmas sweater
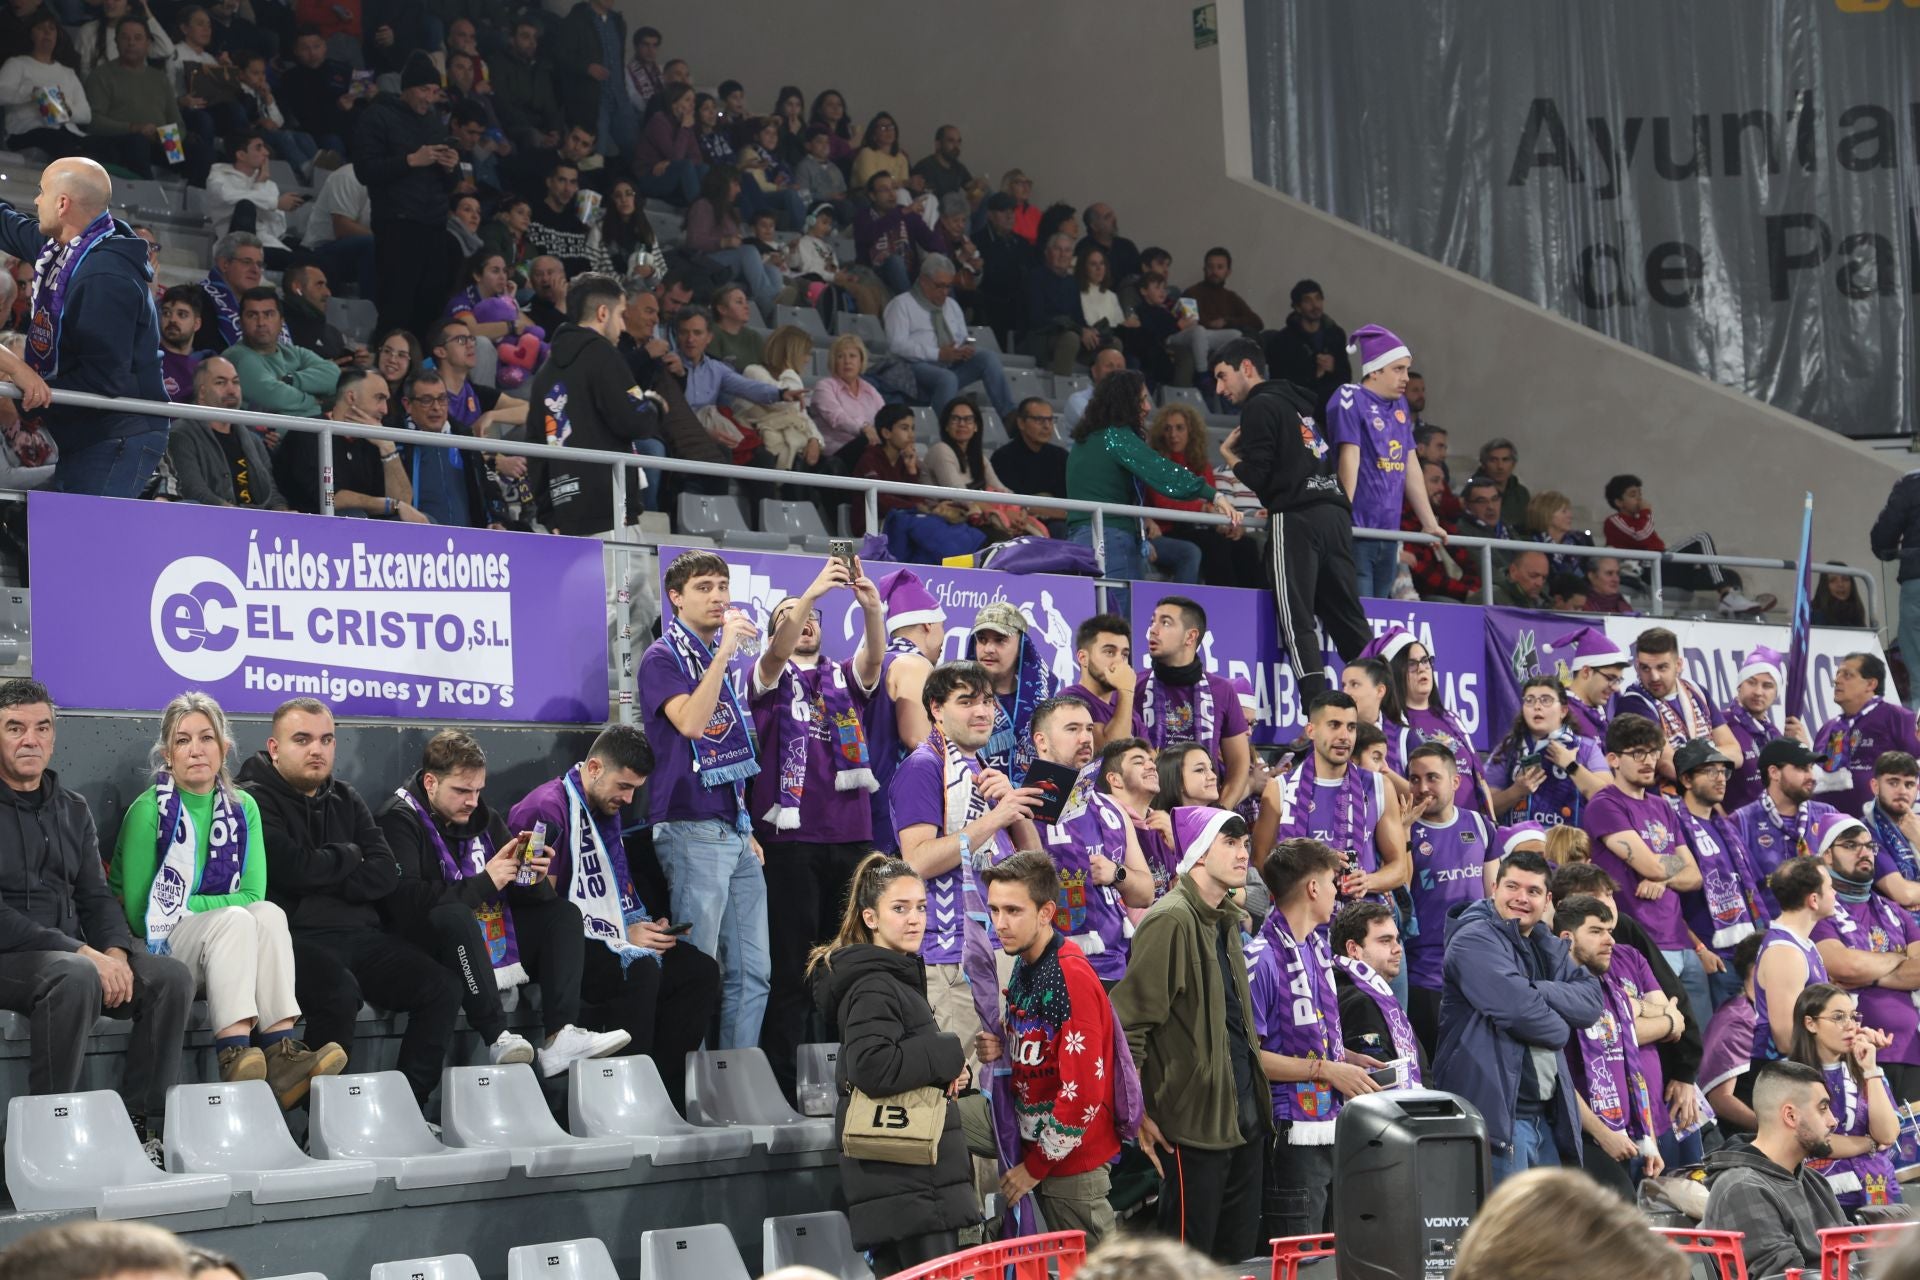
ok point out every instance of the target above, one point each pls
(1059, 1034)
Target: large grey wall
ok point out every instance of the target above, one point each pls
(1112, 102)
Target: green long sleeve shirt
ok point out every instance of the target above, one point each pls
(136, 856)
(288, 379)
(1102, 468)
(124, 98)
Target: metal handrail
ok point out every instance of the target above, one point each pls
(327, 428)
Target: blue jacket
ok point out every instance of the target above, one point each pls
(1491, 1012)
(109, 336)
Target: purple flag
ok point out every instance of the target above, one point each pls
(1794, 697)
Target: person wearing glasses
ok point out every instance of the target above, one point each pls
(1871, 948)
(1031, 463)
(927, 329)
(450, 486)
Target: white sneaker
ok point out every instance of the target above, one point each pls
(510, 1048)
(571, 1043)
(1735, 603)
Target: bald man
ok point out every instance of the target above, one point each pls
(94, 329)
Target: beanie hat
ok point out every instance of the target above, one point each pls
(419, 71)
(1195, 827)
(1582, 648)
(908, 601)
(1761, 660)
(1377, 348)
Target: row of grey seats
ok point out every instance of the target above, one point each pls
(79, 1151)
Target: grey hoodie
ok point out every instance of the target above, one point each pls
(1781, 1211)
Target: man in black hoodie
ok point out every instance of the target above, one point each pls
(66, 955)
(328, 868)
(404, 156)
(1278, 451)
(1763, 1187)
(585, 397)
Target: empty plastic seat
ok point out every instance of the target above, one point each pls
(926, 425)
(814, 1082)
(79, 1151)
(1170, 394)
(796, 522)
(503, 1107)
(736, 1087)
(806, 318)
(355, 317)
(1028, 382)
(444, 1266)
(718, 516)
(993, 432)
(690, 1253)
(819, 1240)
(237, 1129)
(586, 1259)
(624, 1098)
(867, 328)
(374, 1117)
(1068, 384)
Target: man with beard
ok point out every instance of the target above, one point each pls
(1750, 718)
(1103, 648)
(218, 464)
(1895, 825)
(1021, 681)
(1871, 947)
(1678, 705)
(1181, 701)
(1344, 806)
(1727, 906)
(1367, 957)
(1763, 1189)
(1775, 826)
(1615, 1095)
(1453, 852)
(180, 348)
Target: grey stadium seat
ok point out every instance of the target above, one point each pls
(690, 1253)
(586, 1259)
(806, 318)
(79, 1151)
(374, 1117)
(1170, 394)
(237, 1129)
(356, 317)
(719, 516)
(1028, 382)
(819, 1240)
(868, 328)
(736, 1087)
(926, 425)
(503, 1107)
(796, 522)
(815, 1084)
(624, 1098)
(444, 1266)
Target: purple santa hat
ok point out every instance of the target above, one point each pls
(1582, 648)
(908, 601)
(1389, 642)
(1377, 348)
(1520, 833)
(1761, 660)
(1195, 827)
(1829, 827)
(1249, 700)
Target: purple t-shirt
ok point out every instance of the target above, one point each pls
(1429, 726)
(1101, 709)
(1612, 811)
(176, 373)
(1745, 784)
(1178, 722)
(918, 796)
(1770, 843)
(1878, 925)
(1855, 743)
(1558, 801)
(1091, 914)
(1382, 430)
(548, 803)
(1588, 722)
(1449, 866)
(827, 814)
(674, 794)
(1729, 1044)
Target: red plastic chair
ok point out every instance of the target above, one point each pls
(1724, 1247)
(1028, 1258)
(1291, 1252)
(1839, 1244)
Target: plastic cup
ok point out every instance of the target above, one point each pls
(587, 205)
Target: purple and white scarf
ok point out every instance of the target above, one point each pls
(52, 277)
(178, 843)
(1612, 1059)
(821, 705)
(226, 310)
(1406, 1045)
(731, 757)
(1349, 805)
(1693, 720)
(1309, 1028)
(496, 922)
(1157, 712)
(1010, 749)
(599, 883)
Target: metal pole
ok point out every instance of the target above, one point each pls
(872, 500)
(326, 472)
(1100, 543)
(619, 499)
(1486, 575)
(1657, 584)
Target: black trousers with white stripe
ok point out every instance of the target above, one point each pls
(1310, 557)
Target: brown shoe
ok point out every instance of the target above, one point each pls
(244, 1063)
(291, 1067)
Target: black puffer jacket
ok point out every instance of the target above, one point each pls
(1896, 531)
(327, 861)
(389, 131)
(874, 1000)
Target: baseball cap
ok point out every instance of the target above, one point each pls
(1002, 617)
(1784, 751)
(1695, 755)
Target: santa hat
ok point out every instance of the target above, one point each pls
(1582, 648)
(1520, 833)
(1389, 642)
(1249, 700)
(1827, 828)
(1377, 348)
(908, 601)
(1761, 660)
(1195, 827)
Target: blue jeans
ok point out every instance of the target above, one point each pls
(350, 258)
(719, 889)
(296, 148)
(117, 468)
(678, 185)
(1176, 559)
(893, 274)
(1910, 623)
(1374, 564)
(744, 265)
(650, 496)
(1533, 1147)
(1693, 980)
(939, 383)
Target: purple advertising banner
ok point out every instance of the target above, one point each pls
(374, 618)
(1054, 606)
(1243, 641)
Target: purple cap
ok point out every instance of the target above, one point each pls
(1829, 827)
(1582, 648)
(1761, 660)
(1377, 347)
(1194, 828)
(908, 601)
(1389, 642)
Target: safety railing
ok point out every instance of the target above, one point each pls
(871, 491)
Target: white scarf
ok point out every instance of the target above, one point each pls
(591, 887)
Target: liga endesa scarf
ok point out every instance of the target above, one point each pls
(496, 922)
(821, 708)
(1010, 749)
(731, 756)
(178, 844)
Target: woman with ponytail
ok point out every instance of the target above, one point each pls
(871, 986)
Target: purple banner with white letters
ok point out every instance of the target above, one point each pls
(135, 602)
(1053, 606)
(1243, 640)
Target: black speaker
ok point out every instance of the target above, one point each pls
(1411, 1169)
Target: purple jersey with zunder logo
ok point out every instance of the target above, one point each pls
(1449, 866)
(1382, 430)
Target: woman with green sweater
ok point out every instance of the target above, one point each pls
(1112, 462)
(191, 869)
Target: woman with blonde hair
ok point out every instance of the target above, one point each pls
(1178, 433)
(1565, 844)
(871, 986)
(844, 402)
(1558, 1224)
(1550, 521)
(191, 869)
(784, 425)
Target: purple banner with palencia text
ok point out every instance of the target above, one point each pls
(135, 602)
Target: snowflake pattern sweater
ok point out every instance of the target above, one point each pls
(1060, 1042)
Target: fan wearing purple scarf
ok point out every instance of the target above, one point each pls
(1181, 701)
(1344, 806)
(897, 723)
(1430, 719)
(811, 805)
(1129, 774)
(1666, 697)
(1590, 664)
(1867, 724)
(1021, 681)
(1619, 1142)
(1545, 770)
(1367, 957)
(1751, 717)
